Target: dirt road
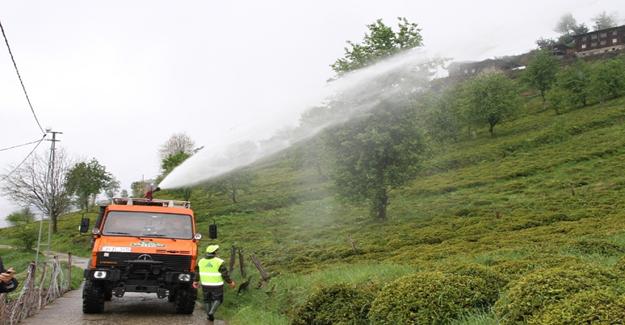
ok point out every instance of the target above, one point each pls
(133, 308)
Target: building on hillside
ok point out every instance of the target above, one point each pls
(600, 41)
(470, 68)
(467, 69)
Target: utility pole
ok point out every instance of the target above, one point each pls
(51, 188)
(52, 182)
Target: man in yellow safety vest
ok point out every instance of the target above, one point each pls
(213, 273)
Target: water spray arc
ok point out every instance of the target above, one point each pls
(369, 85)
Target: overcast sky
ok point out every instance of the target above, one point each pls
(119, 77)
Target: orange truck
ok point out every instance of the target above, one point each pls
(142, 245)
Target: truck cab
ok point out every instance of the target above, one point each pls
(142, 245)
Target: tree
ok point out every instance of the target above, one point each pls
(138, 188)
(376, 154)
(490, 98)
(580, 29)
(541, 72)
(235, 183)
(179, 142)
(604, 20)
(380, 42)
(86, 179)
(608, 79)
(24, 232)
(566, 25)
(31, 185)
(172, 161)
(124, 193)
(546, 44)
(168, 164)
(557, 98)
(310, 154)
(21, 217)
(573, 84)
(111, 188)
(444, 116)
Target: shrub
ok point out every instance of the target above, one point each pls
(557, 98)
(495, 280)
(427, 298)
(514, 269)
(574, 84)
(530, 294)
(620, 265)
(600, 247)
(587, 307)
(25, 237)
(336, 304)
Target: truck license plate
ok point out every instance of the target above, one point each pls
(119, 249)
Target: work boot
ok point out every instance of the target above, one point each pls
(214, 306)
(207, 308)
(213, 309)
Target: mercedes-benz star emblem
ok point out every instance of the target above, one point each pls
(144, 257)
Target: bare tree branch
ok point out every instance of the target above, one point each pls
(30, 185)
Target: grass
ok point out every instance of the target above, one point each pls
(546, 190)
(19, 260)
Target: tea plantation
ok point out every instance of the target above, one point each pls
(527, 226)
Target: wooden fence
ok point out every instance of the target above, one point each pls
(264, 275)
(35, 292)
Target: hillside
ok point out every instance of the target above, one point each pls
(546, 191)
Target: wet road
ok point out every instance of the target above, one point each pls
(133, 308)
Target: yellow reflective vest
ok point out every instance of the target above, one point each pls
(209, 271)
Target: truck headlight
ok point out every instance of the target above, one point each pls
(183, 277)
(99, 274)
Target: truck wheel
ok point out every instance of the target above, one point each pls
(172, 296)
(92, 298)
(108, 294)
(185, 300)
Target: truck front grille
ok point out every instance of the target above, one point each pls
(170, 262)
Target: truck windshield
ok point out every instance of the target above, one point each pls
(148, 224)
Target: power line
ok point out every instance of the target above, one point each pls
(19, 145)
(23, 160)
(20, 78)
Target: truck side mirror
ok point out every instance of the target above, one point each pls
(212, 231)
(84, 225)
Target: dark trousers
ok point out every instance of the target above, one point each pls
(213, 293)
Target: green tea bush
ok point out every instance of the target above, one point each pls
(531, 293)
(428, 298)
(587, 307)
(336, 304)
(514, 269)
(620, 265)
(599, 247)
(495, 280)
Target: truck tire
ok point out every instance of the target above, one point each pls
(108, 294)
(92, 298)
(185, 300)
(171, 297)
